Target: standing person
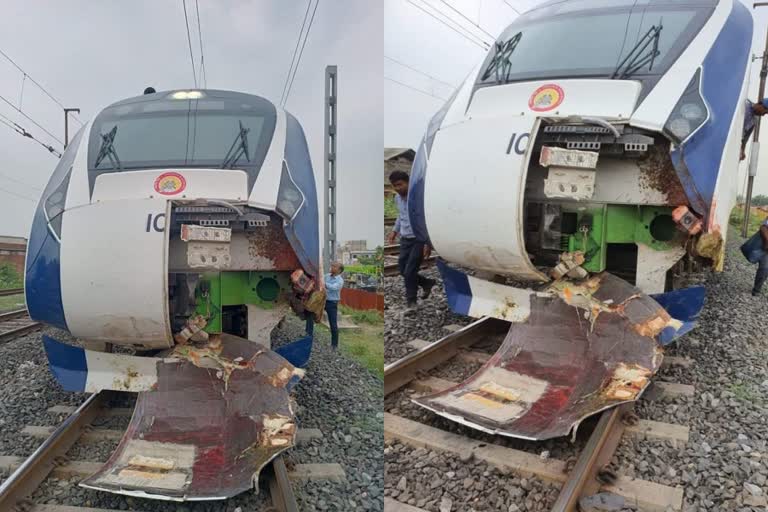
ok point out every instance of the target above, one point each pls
(762, 265)
(412, 251)
(333, 285)
(752, 111)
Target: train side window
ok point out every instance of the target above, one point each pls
(54, 204)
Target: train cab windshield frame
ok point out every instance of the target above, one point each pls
(182, 133)
(589, 39)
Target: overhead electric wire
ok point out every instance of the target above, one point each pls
(189, 40)
(469, 20)
(24, 133)
(415, 88)
(31, 120)
(301, 52)
(419, 71)
(203, 74)
(20, 182)
(17, 195)
(511, 7)
(26, 75)
(295, 51)
(472, 39)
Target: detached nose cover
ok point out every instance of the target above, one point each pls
(584, 348)
(207, 419)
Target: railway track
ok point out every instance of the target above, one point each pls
(50, 460)
(391, 252)
(11, 291)
(472, 346)
(15, 323)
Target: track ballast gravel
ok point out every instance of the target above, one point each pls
(724, 466)
(337, 395)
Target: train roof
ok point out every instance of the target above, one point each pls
(209, 93)
(597, 4)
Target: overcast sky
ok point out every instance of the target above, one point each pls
(89, 54)
(417, 40)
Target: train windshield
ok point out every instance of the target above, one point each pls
(557, 42)
(211, 132)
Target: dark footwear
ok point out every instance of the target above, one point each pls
(410, 306)
(755, 293)
(427, 290)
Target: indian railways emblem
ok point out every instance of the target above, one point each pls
(547, 97)
(170, 183)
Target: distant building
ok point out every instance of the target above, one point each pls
(349, 252)
(13, 250)
(396, 159)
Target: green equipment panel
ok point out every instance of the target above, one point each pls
(219, 289)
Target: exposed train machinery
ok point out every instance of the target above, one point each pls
(572, 174)
(176, 232)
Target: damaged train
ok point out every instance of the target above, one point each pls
(177, 230)
(577, 171)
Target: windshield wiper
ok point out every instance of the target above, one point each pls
(238, 148)
(107, 150)
(501, 63)
(639, 56)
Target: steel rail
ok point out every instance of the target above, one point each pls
(403, 371)
(392, 269)
(11, 291)
(13, 333)
(602, 443)
(35, 469)
(10, 315)
(283, 498)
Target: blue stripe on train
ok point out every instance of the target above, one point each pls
(67, 363)
(721, 83)
(457, 288)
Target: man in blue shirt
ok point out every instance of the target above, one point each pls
(333, 285)
(752, 110)
(412, 251)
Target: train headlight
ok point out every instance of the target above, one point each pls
(289, 197)
(689, 114)
(187, 95)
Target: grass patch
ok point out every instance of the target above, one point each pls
(12, 302)
(744, 393)
(9, 278)
(756, 218)
(366, 316)
(365, 345)
(371, 270)
(390, 207)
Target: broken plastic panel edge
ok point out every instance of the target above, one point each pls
(87, 371)
(476, 298)
(470, 296)
(684, 305)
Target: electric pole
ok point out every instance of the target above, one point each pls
(753, 156)
(329, 174)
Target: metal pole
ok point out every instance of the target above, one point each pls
(755, 136)
(66, 124)
(329, 175)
